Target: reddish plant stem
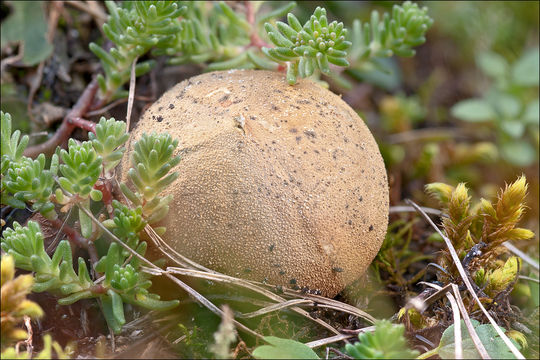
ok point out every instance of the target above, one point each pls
(64, 131)
(83, 124)
(254, 37)
(98, 289)
(105, 186)
(73, 235)
(76, 239)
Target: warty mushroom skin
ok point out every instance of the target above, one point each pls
(278, 183)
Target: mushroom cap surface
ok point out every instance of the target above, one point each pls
(277, 183)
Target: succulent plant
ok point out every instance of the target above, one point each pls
(81, 169)
(376, 345)
(107, 141)
(11, 149)
(134, 28)
(151, 162)
(27, 180)
(396, 35)
(309, 47)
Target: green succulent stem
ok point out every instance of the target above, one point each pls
(81, 184)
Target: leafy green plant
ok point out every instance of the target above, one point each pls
(151, 162)
(225, 38)
(372, 42)
(305, 48)
(107, 141)
(56, 274)
(134, 28)
(510, 105)
(28, 181)
(376, 344)
(284, 349)
(493, 343)
(396, 34)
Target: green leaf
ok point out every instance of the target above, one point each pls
(507, 106)
(110, 317)
(492, 64)
(27, 24)
(493, 343)
(473, 110)
(532, 113)
(519, 153)
(86, 223)
(525, 71)
(513, 128)
(284, 349)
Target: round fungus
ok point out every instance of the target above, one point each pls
(281, 184)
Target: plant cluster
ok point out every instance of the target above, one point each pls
(134, 28)
(15, 307)
(374, 41)
(305, 48)
(478, 231)
(26, 181)
(375, 345)
(224, 38)
(510, 105)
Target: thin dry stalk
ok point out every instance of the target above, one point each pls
(333, 304)
(191, 268)
(257, 287)
(466, 281)
(458, 350)
(192, 292)
(529, 260)
(131, 95)
(249, 285)
(329, 340)
(91, 8)
(171, 253)
(529, 278)
(274, 307)
(402, 208)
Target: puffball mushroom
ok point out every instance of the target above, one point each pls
(279, 184)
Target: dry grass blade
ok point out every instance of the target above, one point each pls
(172, 254)
(274, 307)
(203, 272)
(402, 208)
(249, 285)
(99, 15)
(131, 95)
(458, 351)
(529, 260)
(529, 278)
(192, 292)
(329, 340)
(333, 304)
(466, 281)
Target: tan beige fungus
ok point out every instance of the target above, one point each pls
(278, 183)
